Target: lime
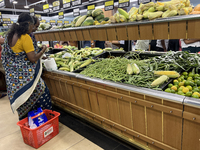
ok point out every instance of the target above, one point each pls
(168, 90)
(195, 96)
(187, 83)
(188, 94)
(181, 84)
(191, 83)
(173, 91)
(185, 73)
(174, 88)
(179, 79)
(189, 78)
(198, 82)
(195, 80)
(170, 85)
(180, 89)
(185, 77)
(195, 89)
(176, 83)
(185, 90)
(180, 93)
(189, 87)
(191, 74)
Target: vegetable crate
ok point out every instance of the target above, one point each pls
(40, 135)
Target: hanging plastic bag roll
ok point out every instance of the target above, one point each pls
(50, 64)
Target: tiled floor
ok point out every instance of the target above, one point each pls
(11, 138)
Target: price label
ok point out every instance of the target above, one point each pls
(143, 1)
(2, 3)
(43, 21)
(38, 16)
(124, 3)
(46, 8)
(76, 12)
(32, 11)
(109, 5)
(66, 3)
(91, 7)
(61, 15)
(76, 2)
(56, 5)
(6, 21)
(59, 22)
(12, 22)
(52, 22)
(66, 22)
(5, 26)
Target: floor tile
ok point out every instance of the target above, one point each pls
(85, 145)
(5, 105)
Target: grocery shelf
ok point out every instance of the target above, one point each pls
(178, 27)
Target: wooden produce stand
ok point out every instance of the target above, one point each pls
(144, 117)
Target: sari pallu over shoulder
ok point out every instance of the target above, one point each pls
(22, 75)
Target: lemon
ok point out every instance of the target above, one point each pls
(188, 94)
(189, 78)
(195, 96)
(181, 84)
(196, 93)
(170, 85)
(174, 88)
(189, 87)
(185, 90)
(175, 80)
(168, 90)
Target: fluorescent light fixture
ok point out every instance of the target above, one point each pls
(26, 6)
(15, 2)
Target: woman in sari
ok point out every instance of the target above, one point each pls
(25, 88)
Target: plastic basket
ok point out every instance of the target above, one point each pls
(40, 135)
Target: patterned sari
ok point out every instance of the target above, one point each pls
(25, 87)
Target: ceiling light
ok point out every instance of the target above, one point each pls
(15, 2)
(26, 6)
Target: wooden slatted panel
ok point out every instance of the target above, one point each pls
(103, 105)
(37, 37)
(56, 34)
(138, 116)
(43, 37)
(40, 37)
(85, 99)
(62, 36)
(160, 30)
(177, 30)
(47, 37)
(78, 96)
(86, 35)
(112, 35)
(146, 32)
(66, 96)
(102, 34)
(125, 113)
(71, 94)
(59, 89)
(133, 32)
(152, 147)
(153, 99)
(191, 135)
(172, 125)
(67, 36)
(94, 102)
(79, 35)
(73, 35)
(154, 124)
(113, 109)
(94, 34)
(193, 29)
(51, 34)
(55, 93)
(121, 33)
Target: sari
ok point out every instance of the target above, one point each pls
(25, 88)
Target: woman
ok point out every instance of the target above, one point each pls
(36, 25)
(190, 45)
(26, 90)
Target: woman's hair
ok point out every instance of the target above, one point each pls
(35, 20)
(21, 27)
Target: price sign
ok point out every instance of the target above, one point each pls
(43, 21)
(2, 3)
(66, 22)
(32, 11)
(124, 3)
(66, 3)
(46, 8)
(61, 15)
(6, 21)
(5, 26)
(52, 22)
(76, 2)
(91, 7)
(56, 5)
(0, 15)
(12, 22)
(38, 16)
(59, 22)
(143, 1)
(76, 12)
(109, 5)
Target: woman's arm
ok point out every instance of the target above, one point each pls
(35, 57)
(190, 41)
(2, 40)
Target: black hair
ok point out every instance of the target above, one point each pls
(35, 20)
(21, 27)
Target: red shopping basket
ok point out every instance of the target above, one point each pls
(40, 135)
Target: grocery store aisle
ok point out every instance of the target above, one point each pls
(11, 138)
